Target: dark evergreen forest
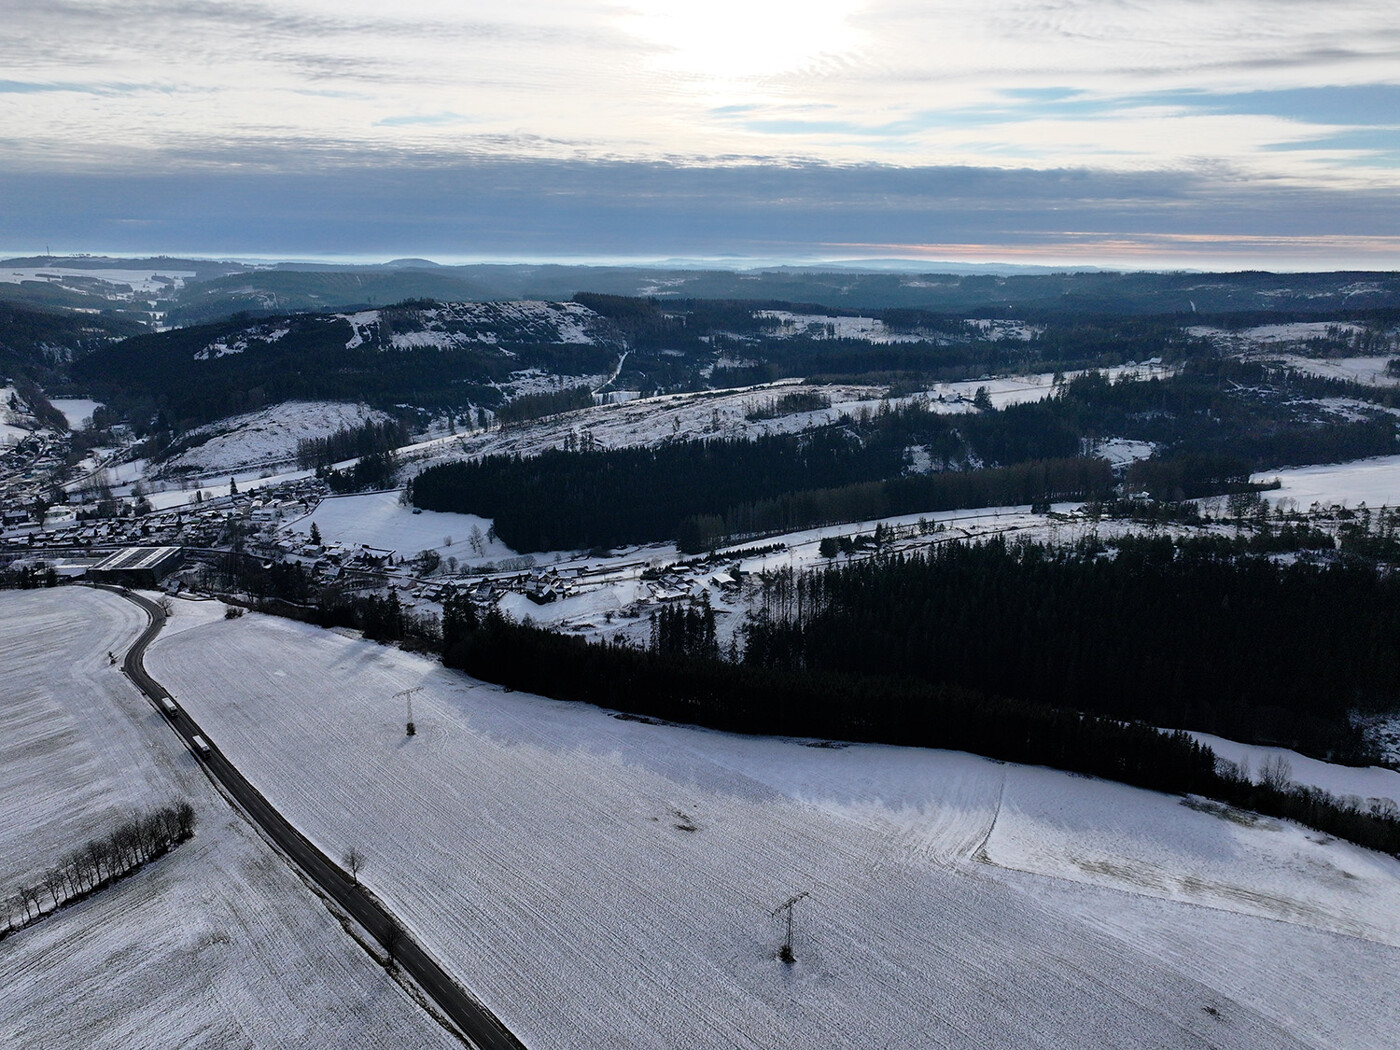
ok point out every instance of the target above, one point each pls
(699, 492)
(1181, 635)
(1215, 424)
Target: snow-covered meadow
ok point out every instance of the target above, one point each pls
(217, 944)
(76, 410)
(608, 882)
(380, 519)
(141, 282)
(1370, 371)
(1375, 482)
(725, 414)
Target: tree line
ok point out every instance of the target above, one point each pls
(700, 492)
(548, 403)
(138, 840)
(1039, 482)
(1181, 634)
(28, 576)
(369, 438)
(682, 679)
(677, 681)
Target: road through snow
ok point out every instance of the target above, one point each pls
(481, 1026)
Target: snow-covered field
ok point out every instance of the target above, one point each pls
(1368, 370)
(1375, 482)
(603, 882)
(652, 420)
(143, 282)
(265, 438)
(1363, 782)
(216, 945)
(378, 519)
(823, 326)
(1269, 336)
(77, 410)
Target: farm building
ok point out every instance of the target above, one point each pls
(138, 566)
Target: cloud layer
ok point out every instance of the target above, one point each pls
(802, 122)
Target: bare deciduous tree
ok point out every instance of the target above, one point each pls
(391, 938)
(139, 839)
(354, 861)
(1276, 772)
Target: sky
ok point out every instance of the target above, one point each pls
(1219, 134)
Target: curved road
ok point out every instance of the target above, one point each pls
(483, 1028)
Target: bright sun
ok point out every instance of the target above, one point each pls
(738, 39)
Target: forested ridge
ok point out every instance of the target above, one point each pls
(699, 492)
(316, 359)
(1213, 424)
(1182, 635)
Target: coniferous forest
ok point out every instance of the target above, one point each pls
(700, 492)
(1214, 424)
(1155, 631)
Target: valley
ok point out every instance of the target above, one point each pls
(595, 539)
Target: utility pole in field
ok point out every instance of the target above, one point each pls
(786, 953)
(407, 695)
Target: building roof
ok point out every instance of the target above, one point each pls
(137, 558)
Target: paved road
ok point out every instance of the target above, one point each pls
(482, 1027)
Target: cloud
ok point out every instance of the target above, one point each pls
(448, 125)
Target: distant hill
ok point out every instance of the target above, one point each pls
(38, 344)
(425, 354)
(181, 292)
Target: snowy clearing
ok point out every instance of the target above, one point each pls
(1363, 782)
(1375, 482)
(217, 944)
(378, 519)
(823, 326)
(1370, 371)
(1276, 335)
(77, 410)
(605, 882)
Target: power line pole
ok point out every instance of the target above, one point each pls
(407, 695)
(786, 953)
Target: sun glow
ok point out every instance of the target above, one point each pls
(744, 39)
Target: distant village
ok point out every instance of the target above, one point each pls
(128, 542)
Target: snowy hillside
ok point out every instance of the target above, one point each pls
(217, 944)
(264, 438)
(236, 344)
(726, 413)
(16, 421)
(607, 882)
(464, 324)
